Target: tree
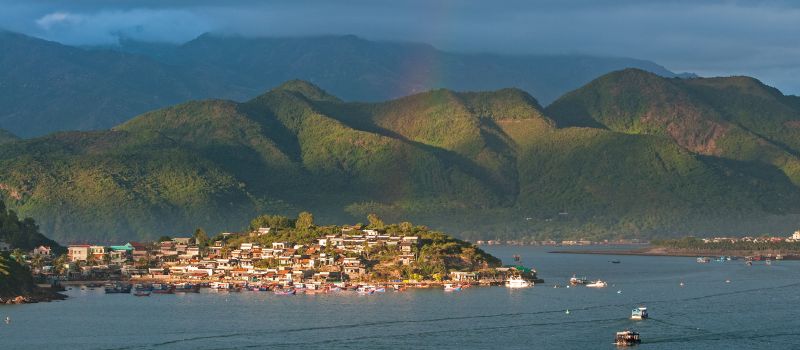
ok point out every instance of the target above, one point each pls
(305, 220)
(375, 222)
(200, 237)
(164, 239)
(406, 227)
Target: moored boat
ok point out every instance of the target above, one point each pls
(187, 288)
(141, 293)
(703, 260)
(118, 288)
(517, 281)
(452, 288)
(163, 288)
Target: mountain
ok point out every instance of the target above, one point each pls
(48, 87)
(736, 118)
(480, 164)
(6, 137)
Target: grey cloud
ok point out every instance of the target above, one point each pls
(757, 38)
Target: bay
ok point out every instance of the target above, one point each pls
(755, 309)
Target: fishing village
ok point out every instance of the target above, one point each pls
(286, 257)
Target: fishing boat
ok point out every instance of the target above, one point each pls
(452, 288)
(380, 289)
(141, 293)
(597, 284)
(575, 280)
(627, 338)
(615, 261)
(517, 281)
(220, 286)
(639, 313)
(768, 261)
(118, 288)
(703, 260)
(290, 291)
(163, 288)
(187, 288)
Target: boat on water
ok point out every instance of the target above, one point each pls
(187, 288)
(615, 261)
(639, 313)
(575, 280)
(703, 260)
(597, 284)
(290, 291)
(768, 262)
(141, 293)
(163, 288)
(118, 288)
(452, 288)
(627, 338)
(517, 281)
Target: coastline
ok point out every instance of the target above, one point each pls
(661, 251)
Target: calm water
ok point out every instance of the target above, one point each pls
(757, 309)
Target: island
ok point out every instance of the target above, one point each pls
(277, 253)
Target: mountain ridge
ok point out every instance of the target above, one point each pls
(479, 164)
(53, 87)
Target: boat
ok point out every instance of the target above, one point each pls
(748, 263)
(778, 257)
(118, 288)
(220, 286)
(141, 293)
(452, 288)
(703, 260)
(163, 288)
(597, 284)
(639, 313)
(627, 338)
(768, 261)
(290, 291)
(365, 290)
(615, 261)
(575, 280)
(517, 281)
(187, 288)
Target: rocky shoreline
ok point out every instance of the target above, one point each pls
(39, 295)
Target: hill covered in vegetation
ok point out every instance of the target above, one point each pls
(49, 87)
(605, 161)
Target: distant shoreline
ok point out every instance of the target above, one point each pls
(661, 251)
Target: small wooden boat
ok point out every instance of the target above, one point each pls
(163, 288)
(118, 288)
(627, 338)
(141, 293)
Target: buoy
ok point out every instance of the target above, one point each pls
(567, 312)
(681, 284)
(619, 292)
(727, 281)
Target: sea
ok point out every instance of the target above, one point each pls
(718, 305)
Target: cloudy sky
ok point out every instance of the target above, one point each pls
(756, 38)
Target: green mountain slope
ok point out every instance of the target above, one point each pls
(482, 164)
(735, 118)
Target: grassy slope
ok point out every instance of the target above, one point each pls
(474, 163)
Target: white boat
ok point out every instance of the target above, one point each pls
(452, 288)
(639, 313)
(597, 284)
(575, 280)
(517, 282)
